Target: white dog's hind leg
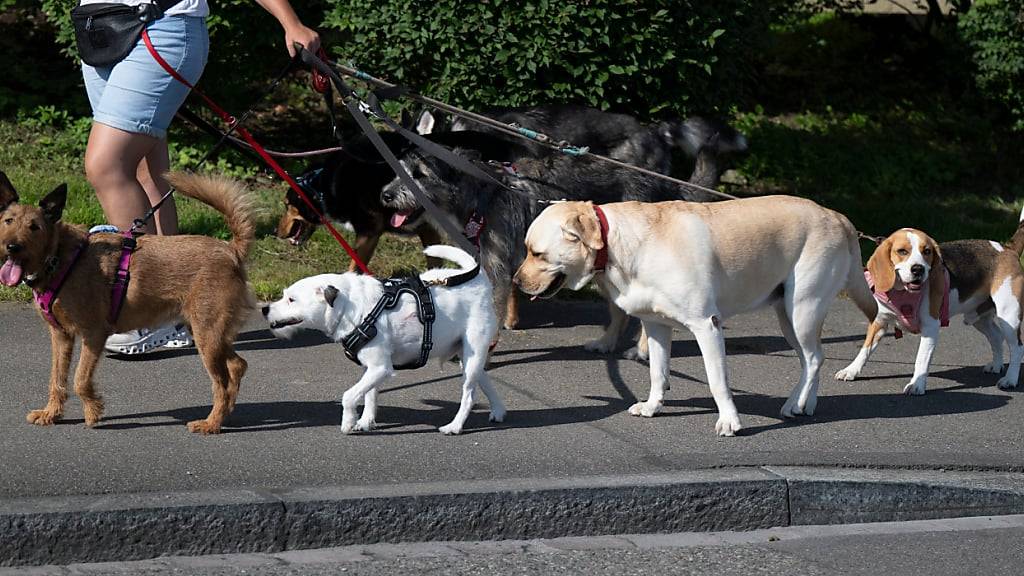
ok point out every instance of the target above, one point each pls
(988, 327)
(660, 342)
(497, 406)
(808, 318)
(711, 340)
(1008, 319)
(372, 378)
(368, 420)
(474, 360)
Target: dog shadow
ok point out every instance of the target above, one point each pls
(247, 417)
(245, 341)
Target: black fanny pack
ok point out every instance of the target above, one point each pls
(107, 32)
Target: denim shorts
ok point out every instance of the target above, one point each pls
(137, 94)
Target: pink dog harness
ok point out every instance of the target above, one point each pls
(45, 298)
(906, 305)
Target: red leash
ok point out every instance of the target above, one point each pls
(230, 121)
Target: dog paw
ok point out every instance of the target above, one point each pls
(203, 427)
(645, 409)
(42, 417)
(790, 410)
(365, 425)
(809, 406)
(450, 429)
(1005, 383)
(599, 346)
(497, 415)
(348, 427)
(992, 368)
(728, 425)
(634, 354)
(847, 374)
(914, 389)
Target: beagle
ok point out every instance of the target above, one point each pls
(977, 278)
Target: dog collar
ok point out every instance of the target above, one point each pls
(601, 260)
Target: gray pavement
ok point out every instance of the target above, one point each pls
(968, 546)
(567, 412)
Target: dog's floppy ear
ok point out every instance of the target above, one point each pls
(53, 203)
(8, 195)
(585, 227)
(330, 294)
(880, 265)
(936, 281)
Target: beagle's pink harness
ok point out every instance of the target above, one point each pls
(906, 305)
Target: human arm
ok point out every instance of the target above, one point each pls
(294, 30)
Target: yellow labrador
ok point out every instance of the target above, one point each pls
(692, 265)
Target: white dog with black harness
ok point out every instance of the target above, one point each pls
(397, 324)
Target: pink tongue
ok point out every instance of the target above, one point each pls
(398, 218)
(10, 274)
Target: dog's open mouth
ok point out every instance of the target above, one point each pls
(553, 288)
(11, 273)
(914, 286)
(300, 232)
(285, 323)
(405, 217)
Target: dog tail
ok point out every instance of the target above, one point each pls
(225, 195)
(856, 285)
(459, 256)
(1017, 242)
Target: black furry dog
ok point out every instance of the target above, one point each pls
(348, 184)
(554, 176)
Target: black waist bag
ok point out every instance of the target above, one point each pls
(106, 33)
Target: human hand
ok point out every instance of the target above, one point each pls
(300, 34)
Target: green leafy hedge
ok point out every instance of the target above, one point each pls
(994, 30)
(643, 56)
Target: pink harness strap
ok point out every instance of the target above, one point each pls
(906, 305)
(45, 298)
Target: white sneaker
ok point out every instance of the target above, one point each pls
(144, 339)
(182, 338)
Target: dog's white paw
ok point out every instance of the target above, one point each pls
(847, 374)
(348, 427)
(728, 425)
(365, 425)
(599, 346)
(915, 388)
(1005, 383)
(791, 410)
(809, 406)
(992, 368)
(633, 353)
(497, 415)
(450, 429)
(645, 409)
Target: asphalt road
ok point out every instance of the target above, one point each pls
(968, 546)
(567, 412)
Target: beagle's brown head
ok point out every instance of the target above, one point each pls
(561, 245)
(906, 260)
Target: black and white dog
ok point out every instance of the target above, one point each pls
(539, 180)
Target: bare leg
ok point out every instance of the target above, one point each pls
(150, 174)
(112, 160)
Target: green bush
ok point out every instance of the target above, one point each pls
(994, 31)
(643, 56)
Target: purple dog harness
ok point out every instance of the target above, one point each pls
(906, 304)
(46, 298)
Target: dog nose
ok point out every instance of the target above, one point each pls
(266, 311)
(387, 196)
(917, 270)
(14, 248)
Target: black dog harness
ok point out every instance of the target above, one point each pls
(366, 331)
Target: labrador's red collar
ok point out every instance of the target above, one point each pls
(601, 260)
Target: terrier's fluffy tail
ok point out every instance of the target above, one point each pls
(225, 195)
(1017, 242)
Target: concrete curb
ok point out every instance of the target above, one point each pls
(137, 526)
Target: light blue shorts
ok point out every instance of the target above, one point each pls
(136, 94)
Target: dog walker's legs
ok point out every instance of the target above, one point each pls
(711, 340)
(92, 403)
(375, 374)
(994, 335)
(62, 346)
(660, 337)
(874, 335)
(368, 420)
(929, 338)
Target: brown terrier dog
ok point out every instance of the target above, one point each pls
(199, 279)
